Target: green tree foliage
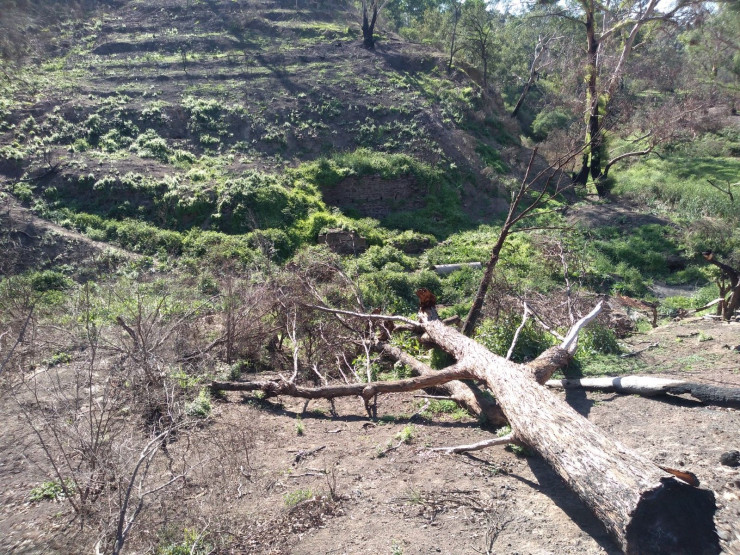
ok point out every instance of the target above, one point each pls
(481, 40)
(714, 51)
(408, 13)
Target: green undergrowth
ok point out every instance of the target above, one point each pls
(680, 183)
(242, 213)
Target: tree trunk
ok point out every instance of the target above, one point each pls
(480, 296)
(456, 18)
(522, 96)
(591, 163)
(368, 24)
(646, 509)
(647, 386)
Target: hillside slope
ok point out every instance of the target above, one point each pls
(158, 107)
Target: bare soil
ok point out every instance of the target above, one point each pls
(411, 500)
(32, 243)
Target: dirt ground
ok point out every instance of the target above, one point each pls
(411, 500)
(32, 243)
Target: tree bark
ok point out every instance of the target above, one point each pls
(646, 509)
(369, 20)
(648, 386)
(591, 162)
(466, 394)
(367, 391)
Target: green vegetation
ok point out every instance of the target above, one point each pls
(497, 337)
(299, 428)
(681, 183)
(214, 144)
(51, 490)
(200, 407)
(292, 498)
(192, 543)
(59, 358)
(406, 435)
(438, 407)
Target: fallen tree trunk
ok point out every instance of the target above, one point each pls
(367, 391)
(466, 394)
(649, 387)
(646, 509)
(446, 269)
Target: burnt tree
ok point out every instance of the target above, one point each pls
(370, 11)
(648, 509)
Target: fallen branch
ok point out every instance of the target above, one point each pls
(637, 352)
(647, 386)
(367, 391)
(379, 317)
(485, 444)
(570, 342)
(304, 454)
(446, 269)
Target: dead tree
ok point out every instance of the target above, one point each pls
(540, 51)
(528, 186)
(646, 508)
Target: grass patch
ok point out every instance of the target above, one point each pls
(680, 183)
(292, 498)
(51, 490)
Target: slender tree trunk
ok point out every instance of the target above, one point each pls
(511, 219)
(533, 70)
(480, 296)
(484, 55)
(522, 96)
(591, 162)
(456, 19)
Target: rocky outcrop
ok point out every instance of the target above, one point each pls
(342, 241)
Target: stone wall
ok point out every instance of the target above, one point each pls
(375, 197)
(343, 242)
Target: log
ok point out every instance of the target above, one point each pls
(648, 386)
(446, 269)
(645, 508)
(466, 394)
(367, 391)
